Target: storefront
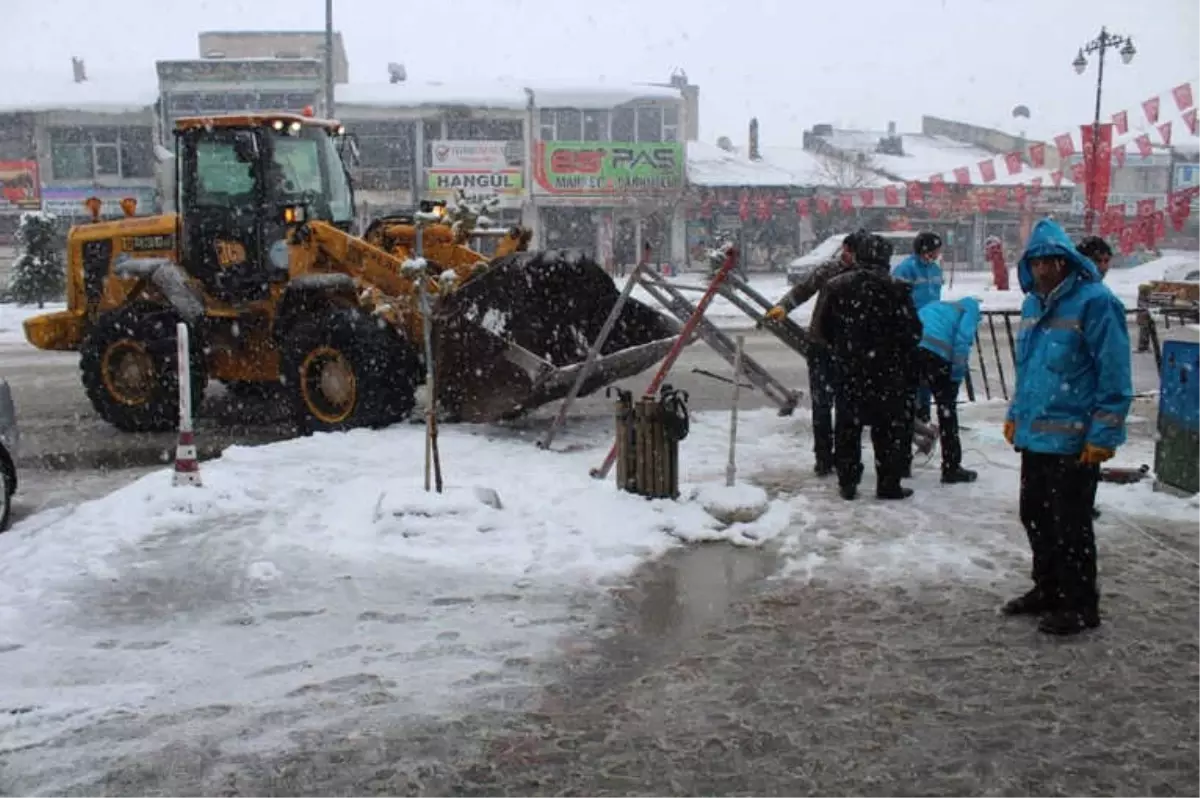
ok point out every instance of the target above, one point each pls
(611, 199)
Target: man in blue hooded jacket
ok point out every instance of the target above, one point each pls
(947, 337)
(1067, 416)
(923, 272)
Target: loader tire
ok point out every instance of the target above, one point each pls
(128, 364)
(345, 370)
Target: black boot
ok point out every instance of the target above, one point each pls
(848, 492)
(958, 474)
(1035, 602)
(892, 491)
(823, 468)
(1069, 622)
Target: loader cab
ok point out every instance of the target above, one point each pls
(238, 179)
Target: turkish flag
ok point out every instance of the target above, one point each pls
(1036, 185)
(763, 210)
(1056, 177)
(1066, 147)
(1121, 122)
(1189, 119)
(823, 206)
(1143, 145)
(988, 170)
(984, 201)
(962, 175)
(848, 203)
(1116, 219)
(1119, 156)
(1183, 96)
(1160, 226)
(915, 196)
(1151, 109)
(1127, 240)
(1164, 130)
(1078, 173)
(891, 195)
(938, 185)
(1019, 195)
(1037, 155)
(1097, 165)
(868, 197)
(802, 208)
(1013, 162)
(1145, 207)
(744, 206)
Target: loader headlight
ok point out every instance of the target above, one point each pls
(277, 124)
(294, 214)
(295, 127)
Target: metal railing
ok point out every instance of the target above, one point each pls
(993, 366)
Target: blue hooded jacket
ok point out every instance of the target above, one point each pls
(948, 330)
(926, 279)
(1074, 381)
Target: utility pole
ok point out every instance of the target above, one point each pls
(329, 109)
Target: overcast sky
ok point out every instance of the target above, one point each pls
(791, 63)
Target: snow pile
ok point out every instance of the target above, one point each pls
(733, 504)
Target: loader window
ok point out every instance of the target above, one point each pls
(308, 167)
(222, 180)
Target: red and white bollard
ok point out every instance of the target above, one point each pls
(187, 466)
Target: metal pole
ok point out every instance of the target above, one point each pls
(731, 468)
(593, 353)
(329, 101)
(432, 461)
(1089, 216)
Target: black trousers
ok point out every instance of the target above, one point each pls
(935, 376)
(821, 382)
(889, 415)
(1057, 492)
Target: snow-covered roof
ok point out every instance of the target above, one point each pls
(503, 94)
(709, 165)
(102, 93)
(925, 156)
(811, 169)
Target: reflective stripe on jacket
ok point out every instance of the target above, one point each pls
(948, 330)
(926, 279)
(1074, 382)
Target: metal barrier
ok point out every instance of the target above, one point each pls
(994, 365)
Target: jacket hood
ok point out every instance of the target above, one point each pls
(1048, 239)
(968, 303)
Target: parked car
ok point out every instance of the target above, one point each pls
(828, 249)
(9, 438)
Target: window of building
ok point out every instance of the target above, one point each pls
(561, 124)
(624, 125)
(385, 153)
(670, 128)
(89, 153)
(546, 128)
(595, 126)
(483, 129)
(649, 123)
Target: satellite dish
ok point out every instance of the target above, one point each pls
(1020, 111)
(396, 73)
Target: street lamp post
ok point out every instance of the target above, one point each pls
(1100, 45)
(329, 102)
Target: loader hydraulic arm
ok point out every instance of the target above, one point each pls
(323, 247)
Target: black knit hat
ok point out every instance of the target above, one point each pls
(927, 242)
(874, 250)
(1094, 247)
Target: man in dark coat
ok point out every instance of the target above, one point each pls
(873, 331)
(820, 367)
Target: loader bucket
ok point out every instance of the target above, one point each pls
(515, 337)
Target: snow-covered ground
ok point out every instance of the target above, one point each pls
(314, 581)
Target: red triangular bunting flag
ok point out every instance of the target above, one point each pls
(1121, 122)
(848, 203)
(1164, 130)
(1119, 156)
(1143, 145)
(1160, 226)
(1066, 147)
(802, 208)
(1037, 155)
(1013, 161)
(762, 210)
(823, 206)
(1183, 96)
(1078, 173)
(891, 195)
(983, 201)
(1056, 177)
(914, 193)
(868, 197)
(937, 185)
(1151, 109)
(988, 170)
(1036, 185)
(963, 176)
(1019, 195)
(1189, 119)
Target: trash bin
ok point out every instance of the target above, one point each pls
(1175, 462)
(648, 435)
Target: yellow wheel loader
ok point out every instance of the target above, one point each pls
(260, 263)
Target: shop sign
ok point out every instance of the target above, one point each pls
(607, 168)
(478, 184)
(19, 187)
(492, 156)
(68, 200)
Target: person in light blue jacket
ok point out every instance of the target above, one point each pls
(947, 337)
(1067, 416)
(923, 271)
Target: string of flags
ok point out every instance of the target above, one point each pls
(938, 195)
